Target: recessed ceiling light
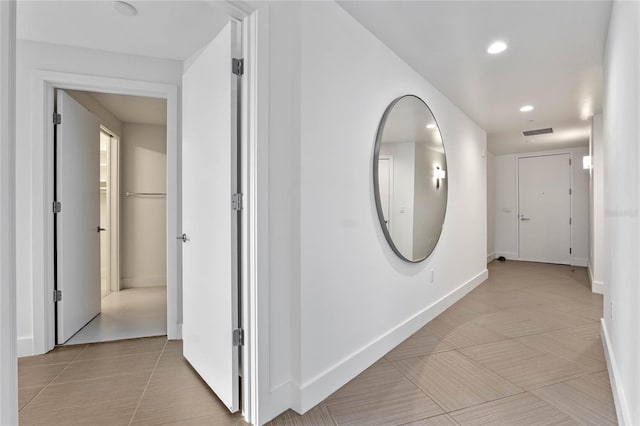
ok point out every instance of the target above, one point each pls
(526, 108)
(431, 126)
(124, 8)
(497, 47)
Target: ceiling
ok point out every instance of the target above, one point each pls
(133, 109)
(161, 29)
(553, 62)
(554, 59)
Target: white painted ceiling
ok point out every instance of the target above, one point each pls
(554, 61)
(133, 109)
(161, 29)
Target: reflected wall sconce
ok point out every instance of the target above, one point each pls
(438, 174)
(586, 162)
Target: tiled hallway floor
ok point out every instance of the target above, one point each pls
(522, 349)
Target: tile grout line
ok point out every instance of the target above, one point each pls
(333, 419)
(57, 375)
(147, 384)
(419, 355)
(477, 364)
(488, 402)
(424, 392)
(565, 358)
(516, 385)
(431, 417)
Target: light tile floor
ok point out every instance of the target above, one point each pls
(522, 349)
(127, 314)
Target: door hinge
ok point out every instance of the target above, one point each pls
(236, 201)
(569, 221)
(238, 337)
(570, 191)
(569, 161)
(237, 66)
(57, 207)
(57, 295)
(57, 118)
(570, 251)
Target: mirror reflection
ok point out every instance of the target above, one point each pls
(410, 178)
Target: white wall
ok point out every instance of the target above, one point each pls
(143, 224)
(491, 207)
(580, 209)
(8, 364)
(357, 298)
(596, 206)
(506, 206)
(621, 109)
(33, 56)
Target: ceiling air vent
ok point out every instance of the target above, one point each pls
(537, 132)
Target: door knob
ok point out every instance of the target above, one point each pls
(99, 229)
(524, 218)
(183, 237)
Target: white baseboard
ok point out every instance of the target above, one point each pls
(596, 286)
(281, 398)
(580, 261)
(507, 255)
(25, 346)
(136, 282)
(318, 388)
(622, 410)
(491, 256)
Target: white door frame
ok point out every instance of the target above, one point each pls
(113, 206)
(544, 154)
(391, 182)
(44, 84)
(8, 343)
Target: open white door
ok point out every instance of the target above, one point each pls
(77, 223)
(209, 223)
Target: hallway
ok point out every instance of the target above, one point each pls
(522, 348)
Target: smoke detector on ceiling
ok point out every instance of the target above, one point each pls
(537, 132)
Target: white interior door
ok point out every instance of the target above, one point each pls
(77, 233)
(209, 178)
(544, 184)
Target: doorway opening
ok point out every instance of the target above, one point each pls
(123, 293)
(122, 77)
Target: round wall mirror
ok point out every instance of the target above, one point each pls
(410, 178)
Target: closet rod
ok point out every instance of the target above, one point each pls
(147, 194)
